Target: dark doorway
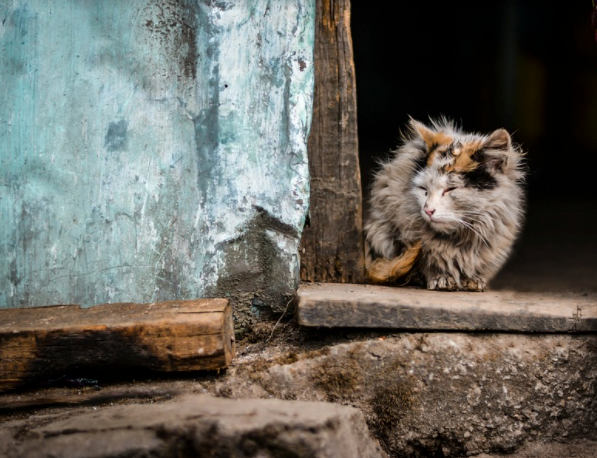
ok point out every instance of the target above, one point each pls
(528, 66)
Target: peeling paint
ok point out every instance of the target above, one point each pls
(147, 146)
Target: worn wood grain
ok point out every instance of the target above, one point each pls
(368, 306)
(332, 243)
(167, 336)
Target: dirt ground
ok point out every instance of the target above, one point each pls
(284, 344)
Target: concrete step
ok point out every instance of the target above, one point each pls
(422, 395)
(197, 425)
(370, 306)
(440, 394)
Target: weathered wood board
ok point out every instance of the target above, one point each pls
(166, 336)
(367, 306)
(332, 243)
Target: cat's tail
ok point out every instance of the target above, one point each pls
(384, 270)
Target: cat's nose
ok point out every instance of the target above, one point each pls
(429, 212)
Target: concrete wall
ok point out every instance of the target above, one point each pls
(152, 149)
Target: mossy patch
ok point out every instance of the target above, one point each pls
(395, 396)
(337, 381)
(392, 401)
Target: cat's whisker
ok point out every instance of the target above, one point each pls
(477, 222)
(485, 219)
(476, 231)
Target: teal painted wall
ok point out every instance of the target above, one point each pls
(153, 150)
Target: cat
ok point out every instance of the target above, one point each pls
(446, 209)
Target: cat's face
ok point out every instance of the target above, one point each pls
(458, 179)
(447, 201)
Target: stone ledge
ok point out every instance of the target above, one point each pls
(369, 306)
(443, 394)
(423, 394)
(200, 425)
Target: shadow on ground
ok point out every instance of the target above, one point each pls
(557, 251)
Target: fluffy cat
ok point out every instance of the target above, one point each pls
(446, 209)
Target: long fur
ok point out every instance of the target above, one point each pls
(447, 208)
(384, 270)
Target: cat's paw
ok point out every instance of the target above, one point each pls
(446, 283)
(477, 284)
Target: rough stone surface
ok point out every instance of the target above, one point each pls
(198, 425)
(579, 449)
(369, 306)
(423, 395)
(443, 394)
(153, 150)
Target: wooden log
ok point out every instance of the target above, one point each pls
(368, 306)
(332, 243)
(167, 336)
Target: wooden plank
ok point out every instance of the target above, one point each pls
(332, 243)
(368, 306)
(167, 336)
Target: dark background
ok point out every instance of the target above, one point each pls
(528, 66)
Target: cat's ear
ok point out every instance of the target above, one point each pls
(431, 138)
(499, 140)
(421, 130)
(499, 143)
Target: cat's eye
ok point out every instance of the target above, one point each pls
(448, 190)
(422, 188)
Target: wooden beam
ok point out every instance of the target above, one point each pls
(368, 306)
(167, 336)
(332, 243)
